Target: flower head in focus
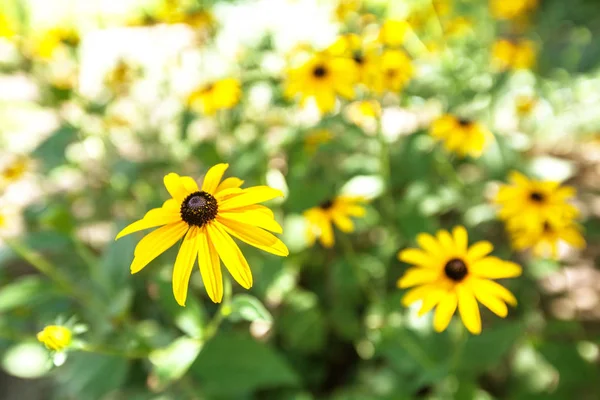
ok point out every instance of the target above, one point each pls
(460, 135)
(335, 211)
(447, 273)
(322, 78)
(207, 218)
(55, 337)
(514, 54)
(223, 94)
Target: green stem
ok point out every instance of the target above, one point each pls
(224, 310)
(350, 256)
(458, 348)
(415, 350)
(99, 349)
(386, 173)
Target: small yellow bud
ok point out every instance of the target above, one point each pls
(55, 337)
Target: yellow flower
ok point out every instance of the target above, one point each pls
(396, 70)
(518, 54)
(392, 32)
(316, 138)
(366, 58)
(510, 9)
(337, 211)
(460, 135)
(120, 79)
(545, 238)
(458, 26)
(208, 217)
(55, 337)
(364, 113)
(345, 8)
(525, 104)
(6, 27)
(223, 94)
(448, 273)
(528, 204)
(14, 170)
(322, 78)
(48, 42)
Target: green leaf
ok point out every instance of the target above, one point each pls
(172, 362)
(52, 151)
(25, 291)
(249, 308)
(233, 364)
(302, 323)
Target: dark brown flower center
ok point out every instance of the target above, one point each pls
(319, 71)
(537, 197)
(199, 208)
(456, 269)
(464, 121)
(358, 58)
(326, 205)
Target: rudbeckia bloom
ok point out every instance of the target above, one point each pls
(515, 54)
(223, 94)
(337, 211)
(448, 273)
(544, 239)
(321, 78)
(528, 204)
(55, 337)
(207, 218)
(365, 56)
(460, 135)
(510, 9)
(396, 70)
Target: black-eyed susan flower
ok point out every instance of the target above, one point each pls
(322, 78)
(334, 211)
(462, 136)
(544, 239)
(396, 70)
(365, 56)
(513, 54)
(207, 218)
(55, 337)
(447, 273)
(511, 9)
(528, 204)
(223, 94)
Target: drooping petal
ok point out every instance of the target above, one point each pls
(444, 311)
(417, 276)
(469, 309)
(253, 195)
(492, 302)
(184, 264)
(153, 218)
(210, 267)
(254, 218)
(495, 289)
(479, 250)
(495, 268)
(416, 294)
(432, 299)
(342, 222)
(156, 243)
(254, 236)
(230, 253)
(229, 183)
(213, 178)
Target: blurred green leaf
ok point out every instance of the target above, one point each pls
(249, 308)
(51, 152)
(172, 362)
(26, 291)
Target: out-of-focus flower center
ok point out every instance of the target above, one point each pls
(199, 208)
(456, 269)
(358, 58)
(537, 197)
(464, 122)
(326, 205)
(320, 71)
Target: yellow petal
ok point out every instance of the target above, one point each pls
(444, 311)
(254, 236)
(153, 218)
(213, 178)
(175, 187)
(479, 250)
(184, 264)
(416, 257)
(229, 183)
(417, 276)
(254, 218)
(342, 222)
(469, 309)
(493, 303)
(495, 268)
(156, 243)
(253, 195)
(431, 300)
(210, 267)
(495, 289)
(189, 184)
(460, 238)
(428, 243)
(230, 253)
(416, 294)
(446, 242)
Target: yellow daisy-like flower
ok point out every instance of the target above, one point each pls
(544, 239)
(528, 204)
(460, 135)
(208, 218)
(518, 54)
(337, 211)
(511, 9)
(365, 56)
(396, 70)
(223, 94)
(392, 32)
(55, 337)
(345, 8)
(322, 78)
(449, 273)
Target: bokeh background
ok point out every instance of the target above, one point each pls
(97, 104)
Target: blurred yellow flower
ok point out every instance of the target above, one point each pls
(345, 8)
(460, 135)
(544, 239)
(449, 273)
(396, 70)
(14, 170)
(458, 26)
(55, 337)
(510, 9)
(121, 77)
(365, 57)
(364, 113)
(528, 204)
(321, 78)
(208, 217)
(337, 211)
(517, 54)
(223, 94)
(525, 104)
(7, 30)
(46, 43)
(316, 138)
(392, 32)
